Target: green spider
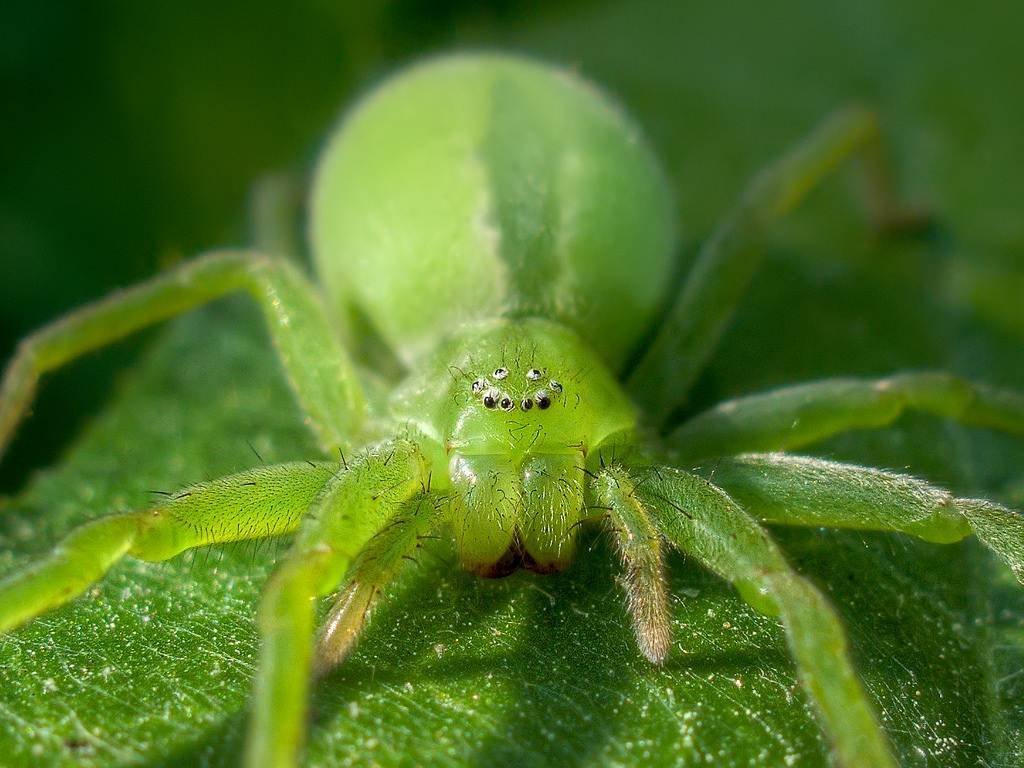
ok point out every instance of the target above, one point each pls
(504, 230)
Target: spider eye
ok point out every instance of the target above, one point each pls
(500, 373)
(543, 401)
(489, 401)
(556, 386)
(506, 403)
(533, 374)
(478, 386)
(527, 403)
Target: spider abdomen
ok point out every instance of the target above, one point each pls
(478, 186)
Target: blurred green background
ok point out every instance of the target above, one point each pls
(132, 134)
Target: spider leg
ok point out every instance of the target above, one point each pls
(792, 417)
(350, 510)
(703, 521)
(266, 501)
(318, 368)
(728, 259)
(797, 490)
(378, 564)
(639, 545)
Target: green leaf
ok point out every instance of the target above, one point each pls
(154, 665)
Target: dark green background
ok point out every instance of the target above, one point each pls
(132, 133)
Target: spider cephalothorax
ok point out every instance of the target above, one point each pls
(516, 471)
(504, 229)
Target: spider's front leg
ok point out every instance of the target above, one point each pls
(703, 521)
(318, 368)
(371, 515)
(795, 416)
(728, 259)
(639, 544)
(267, 501)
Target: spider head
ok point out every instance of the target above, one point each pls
(515, 388)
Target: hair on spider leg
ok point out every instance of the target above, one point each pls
(253, 549)
(206, 557)
(580, 524)
(674, 506)
(603, 534)
(448, 563)
(389, 489)
(255, 452)
(640, 476)
(393, 523)
(279, 545)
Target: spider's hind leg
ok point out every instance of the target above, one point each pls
(318, 368)
(729, 258)
(794, 416)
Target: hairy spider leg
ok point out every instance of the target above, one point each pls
(352, 507)
(798, 490)
(639, 544)
(266, 501)
(378, 564)
(319, 370)
(795, 416)
(728, 259)
(719, 534)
